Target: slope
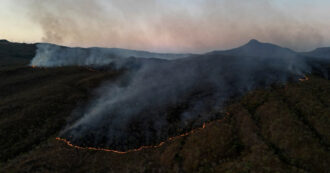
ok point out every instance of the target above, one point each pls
(283, 129)
(279, 129)
(256, 48)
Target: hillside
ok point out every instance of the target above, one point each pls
(15, 53)
(283, 129)
(323, 52)
(277, 129)
(255, 48)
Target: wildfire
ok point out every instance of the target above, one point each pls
(90, 69)
(38, 67)
(87, 68)
(304, 79)
(132, 150)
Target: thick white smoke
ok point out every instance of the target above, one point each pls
(50, 55)
(162, 98)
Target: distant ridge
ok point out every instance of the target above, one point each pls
(12, 50)
(253, 48)
(4, 42)
(257, 49)
(323, 52)
(120, 52)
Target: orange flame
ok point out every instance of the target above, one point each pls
(131, 150)
(90, 69)
(304, 79)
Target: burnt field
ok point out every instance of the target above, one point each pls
(281, 128)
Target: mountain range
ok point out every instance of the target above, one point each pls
(253, 48)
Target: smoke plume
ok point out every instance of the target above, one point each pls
(160, 98)
(184, 26)
(50, 55)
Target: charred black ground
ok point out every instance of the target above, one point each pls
(157, 99)
(282, 128)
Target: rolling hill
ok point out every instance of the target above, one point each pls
(255, 48)
(280, 128)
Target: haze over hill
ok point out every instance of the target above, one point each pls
(258, 49)
(163, 86)
(323, 52)
(125, 114)
(167, 25)
(287, 124)
(50, 55)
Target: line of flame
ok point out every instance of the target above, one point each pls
(304, 79)
(144, 147)
(138, 149)
(90, 69)
(128, 151)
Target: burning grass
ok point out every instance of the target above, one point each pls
(283, 129)
(134, 150)
(306, 78)
(31, 110)
(279, 129)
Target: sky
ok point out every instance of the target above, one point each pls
(178, 26)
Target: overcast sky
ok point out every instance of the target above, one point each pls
(167, 25)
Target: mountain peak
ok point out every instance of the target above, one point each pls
(254, 41)
(4, 41)
(258, 49)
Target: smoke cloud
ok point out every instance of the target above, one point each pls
(180, 26)
(50, 55)
(160, 98)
